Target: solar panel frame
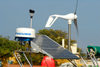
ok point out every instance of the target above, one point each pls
(52, 48)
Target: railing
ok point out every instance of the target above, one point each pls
(93, 58)
(20, 63)
(19, 60)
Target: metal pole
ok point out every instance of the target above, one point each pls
(95, 60)
(69, 34)
(31, 16)
(30, 53)
(30, 42)
(31, 23)
(27, 59)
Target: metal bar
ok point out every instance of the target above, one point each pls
(24, 51)
(96, 60)
(84, 61)
(91, 58)
(75, 65)
(18, 60)
(27, 59)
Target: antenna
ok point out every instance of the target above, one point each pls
(24, 34)
(31, 16)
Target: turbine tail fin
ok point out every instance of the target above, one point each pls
(53, 21)
(50, 21)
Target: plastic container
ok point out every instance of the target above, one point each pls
(47, 62)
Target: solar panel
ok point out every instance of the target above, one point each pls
(50, 47)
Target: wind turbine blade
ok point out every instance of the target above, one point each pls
(76, 7)
(49, 21)
(75, 20)
(75, 23)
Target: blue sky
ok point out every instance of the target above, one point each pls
(15, 13)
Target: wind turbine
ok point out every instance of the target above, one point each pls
(69, 17)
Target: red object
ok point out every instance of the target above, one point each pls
(48, 62)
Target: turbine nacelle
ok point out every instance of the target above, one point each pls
(70, 16)
(53, 18)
